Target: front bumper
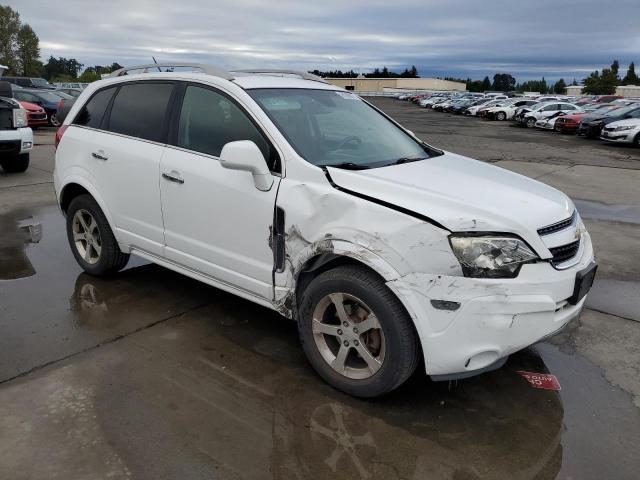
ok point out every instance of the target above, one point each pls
(625, 136)
(17, 140)
(495, 317)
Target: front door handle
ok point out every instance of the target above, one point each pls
(172, 178)
(99, 156)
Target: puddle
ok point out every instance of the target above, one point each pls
(49, 308)
(224, 387)
(602, 211)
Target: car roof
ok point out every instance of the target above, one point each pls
(243, 80)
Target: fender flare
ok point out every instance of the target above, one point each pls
(75, 178)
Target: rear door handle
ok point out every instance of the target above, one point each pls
(172, 178)
(99, 156)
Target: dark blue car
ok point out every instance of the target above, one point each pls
(46, 99)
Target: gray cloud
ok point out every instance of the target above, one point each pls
(461, 38)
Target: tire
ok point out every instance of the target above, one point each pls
(17, 164)
(53, 120)
(501, 116)
(392, 344)
(530, 122)
(636, 141)
(100, 255)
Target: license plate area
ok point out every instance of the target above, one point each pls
(584, 282)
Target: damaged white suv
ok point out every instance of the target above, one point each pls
(304, 198)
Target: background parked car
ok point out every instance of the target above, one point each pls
(46, 99)
(622, 131)
(36, 115)
(29, 82)
(529, 117)
(74, 92)
(507, 110)
(592, 127)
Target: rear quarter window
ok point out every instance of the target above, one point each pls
(93, 111)
(139, 110)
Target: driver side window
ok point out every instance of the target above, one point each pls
(210, 120)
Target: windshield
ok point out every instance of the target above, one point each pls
(621, 111)
(49, 97)
(336, 128)
(40, 81)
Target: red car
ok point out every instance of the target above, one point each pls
(569, 123)
(608, 98)
(36, 116)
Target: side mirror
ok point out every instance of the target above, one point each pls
(246, 156)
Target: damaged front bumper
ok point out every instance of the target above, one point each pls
(470, 325)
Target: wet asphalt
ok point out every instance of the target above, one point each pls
(150, 374)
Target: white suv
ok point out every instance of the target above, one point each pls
(304, 198)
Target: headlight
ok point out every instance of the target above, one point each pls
(491, 257)
(19, 118)
(626, 127)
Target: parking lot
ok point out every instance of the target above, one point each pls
(153, 375)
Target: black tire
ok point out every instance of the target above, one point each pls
(111, 259)
(401, 343)
(636, 140)
(501, 116)
(16, 164)
(530, 122)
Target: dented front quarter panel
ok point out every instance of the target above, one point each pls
(322, 219)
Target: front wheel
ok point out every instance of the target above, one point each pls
(16, 164)
(530, 122)
(53, 120)
(356, 333)
(501, 116)
(91, 238)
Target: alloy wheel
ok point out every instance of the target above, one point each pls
(348, 336)
(86, 236)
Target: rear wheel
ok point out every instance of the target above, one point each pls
(92, 242)
(16, 164)
(356, 333)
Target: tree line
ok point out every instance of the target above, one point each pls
(384, 72)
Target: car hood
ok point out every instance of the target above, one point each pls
(463, 194)
(633, 122)
(32, 107)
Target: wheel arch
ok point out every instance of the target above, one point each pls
(75, 186)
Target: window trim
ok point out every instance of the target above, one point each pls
(176, 110)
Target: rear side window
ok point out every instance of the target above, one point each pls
(92, 112)
(139, 110)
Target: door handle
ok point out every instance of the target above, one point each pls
(172, 178)
(99, 156)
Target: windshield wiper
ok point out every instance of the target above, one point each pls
(345, 166)
(406, 160)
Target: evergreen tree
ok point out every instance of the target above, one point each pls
(631, 78)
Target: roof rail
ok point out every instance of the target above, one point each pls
(300, 73)
(208, 69)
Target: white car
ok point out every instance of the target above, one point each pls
(301, 197)
(540, 111)
(16, 138)
(506, 111)
(473, 111)
(622, 131)
(548, 123)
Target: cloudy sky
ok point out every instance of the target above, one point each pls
(461, 38)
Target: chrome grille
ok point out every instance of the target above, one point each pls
(556, 227)
(565, 252)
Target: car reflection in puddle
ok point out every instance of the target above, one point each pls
(16, 233)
